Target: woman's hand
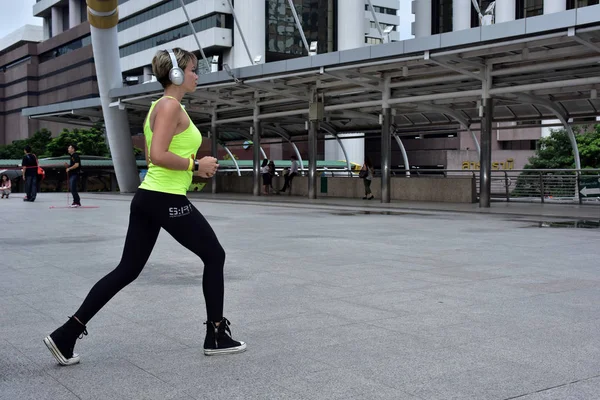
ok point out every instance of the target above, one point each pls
(207, 167)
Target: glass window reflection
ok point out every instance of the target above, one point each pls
(283, 38)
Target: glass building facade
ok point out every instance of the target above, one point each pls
(283, 40)
(201, 24)
(441, 16)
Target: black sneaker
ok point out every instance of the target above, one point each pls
(61, 342)
(218, 339)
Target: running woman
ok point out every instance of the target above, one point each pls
(172, 141)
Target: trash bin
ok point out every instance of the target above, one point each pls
(323, 184)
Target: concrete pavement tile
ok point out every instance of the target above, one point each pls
(585, 389)
(42, 387)
(330, 384)
(499, 381)
(442, 305)
(113, 379)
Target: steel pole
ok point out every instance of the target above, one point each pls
(386, 144)
(214, 137)
(195, 34)
(386, 141)
(312, 159)
(299, 26)
(256, 158)
(485, 187)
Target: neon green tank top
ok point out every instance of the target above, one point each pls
(184, 144)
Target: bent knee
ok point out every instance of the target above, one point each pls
(219, 256)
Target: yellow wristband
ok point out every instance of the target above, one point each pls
(191, 166)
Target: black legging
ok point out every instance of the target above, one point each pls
(151, 211)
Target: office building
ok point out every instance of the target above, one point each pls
(59, 60)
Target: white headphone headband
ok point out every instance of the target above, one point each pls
(173, 59)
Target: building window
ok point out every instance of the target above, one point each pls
(530, 122)
(483, 5)
(15, 63)
(383, 26)
(382, 10)
(83, 16)
(150, 13)
(571, 4)
(67, 48)
(65, 18)
(441, 16)
(317, 18)
(202, 24)
(372, 40)
(518, 144)
(530, 8)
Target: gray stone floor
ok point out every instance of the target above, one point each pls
(333, 302)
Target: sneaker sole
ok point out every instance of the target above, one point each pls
(230, 350)
(58, 355)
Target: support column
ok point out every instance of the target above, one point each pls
(214, 139)
(57, 21)
(485, 188)
(552, 6)
(422, 11)
(313, 129)
(256, 153)
(147, 74)
(248, 13)
(461, 15)
(74, 13)
(351, 24)
(46, 27)
(103, 17)
(315, 114)
(505, 11)
(386, 142)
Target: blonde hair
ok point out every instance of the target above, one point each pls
(161, 63)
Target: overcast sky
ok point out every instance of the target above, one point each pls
(16, 13)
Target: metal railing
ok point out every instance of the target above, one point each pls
(525, 185)
(529, 185)
(544, 185)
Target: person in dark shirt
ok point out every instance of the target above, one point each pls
(29, 165)
(73, 170)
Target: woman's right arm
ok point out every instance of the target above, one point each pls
(165, 124)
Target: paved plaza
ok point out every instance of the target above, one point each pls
(336, 299)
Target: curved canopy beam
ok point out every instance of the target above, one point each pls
(560, 115)
(331, 130)
(283, 133)
(237, 167)
(404, 155)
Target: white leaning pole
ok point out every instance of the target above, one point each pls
(103, 16)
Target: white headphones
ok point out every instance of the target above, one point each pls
(176, 74)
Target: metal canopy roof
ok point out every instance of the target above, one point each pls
(541, 68)
(78, 112)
